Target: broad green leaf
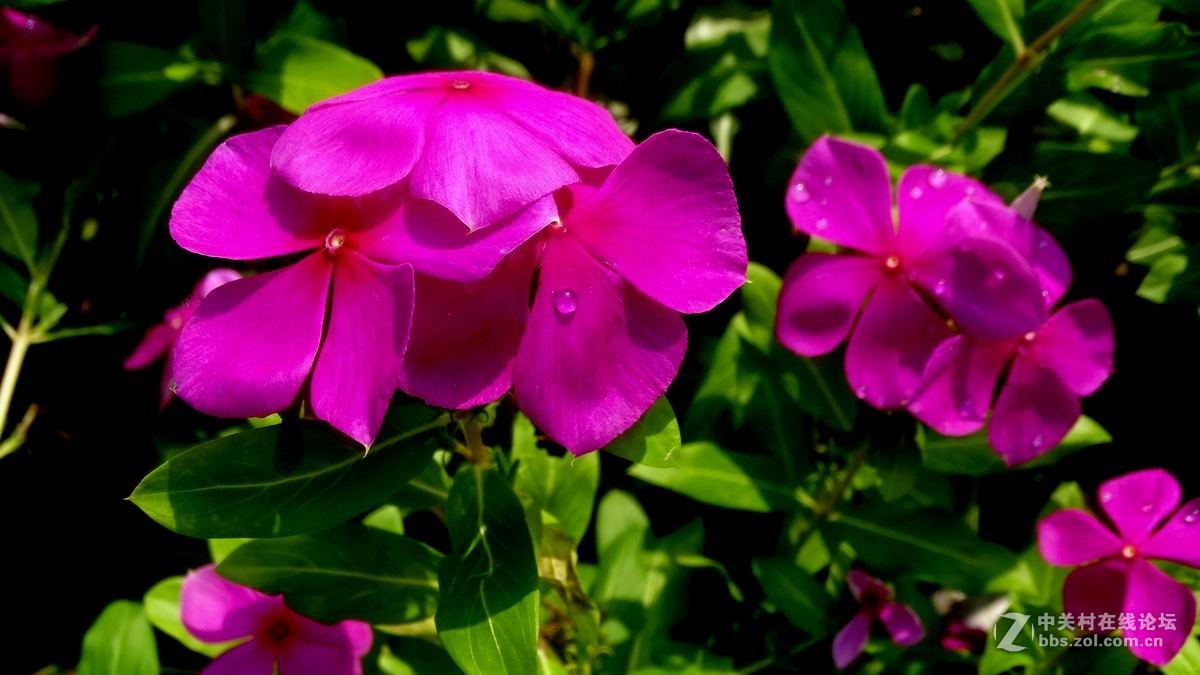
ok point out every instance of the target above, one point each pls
(936, 546)
(1187, 661)
(443, 48)
(564, 487)
(973, 455)
(725, 65)
(412, 656)
(735, 480)
(760, 295)
(618, 514)
(388, 518)
(1173, 277)
(487, 617)
(1002, 17)
(121, 642)
(219, 549)
(427, 489)
(1090, 117)
(296, 71)
(279, 481)
(162, 609)
(654, 440)
(794, 592)
(348, 572)
(897, 466)
(135, 77)
(821, 70)
(18, 223)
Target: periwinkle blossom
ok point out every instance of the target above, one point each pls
(630, 249)
(253, 343)
(481, 144)
(274, 639)
(878, 603)
(876, 289)
(159, 341)
(1114, 582)
(29, 53)
(1050, 368)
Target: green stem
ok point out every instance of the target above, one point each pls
(828, 504)
(1026, 59)
(12, 369)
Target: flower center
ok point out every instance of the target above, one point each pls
(460, 85)
(335, 240)
(279, 631)
(1128, 552)
(557, 226)
(892, 262)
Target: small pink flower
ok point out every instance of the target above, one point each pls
(482, 145)
(875, 290)
(29, 51)
(630, 249)
(1115, 578)
(1050, 368)
(160, 339)
(341, 313)
(276, 639)
(878, 603)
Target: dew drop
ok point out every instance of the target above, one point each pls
(940, 287)
(565, 302)
(967, 410)
(1106, 497)
(970, 190)
(460, 84)
(1038, 441)
(1147, 507)
(861, 391)
(916, 193)
(828, 181)
(915, 407)
(824, 202)
(1191, 517)
(800, 194)
(999, 275)
(1045, 293)
(937, 179)
(822, 224)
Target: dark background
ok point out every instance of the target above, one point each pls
(71, 544)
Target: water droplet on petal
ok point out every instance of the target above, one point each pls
(940, 287)
(1147, 507)
(970, 190)
(999, 275)
(916, 407)
(824, 202)
(967, 410)
(937, 179)
(800, 194)
(861, 392)
(1045, 293)
(1191, 517)
(1038, 441)
(916, 193)
(822, 224)
(565, 302)
(1106, 497)
(828, 181)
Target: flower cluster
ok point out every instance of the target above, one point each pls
(1115, 586)
(455, 235)
(941, 303)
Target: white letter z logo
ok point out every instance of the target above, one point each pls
(1018, 622)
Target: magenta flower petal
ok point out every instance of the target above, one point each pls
(435, 242)
(821, 297)
(216, 610)
(1077, 344)
(234, 209)
(253, 658)
(158, 341)
(892, 343)
(924, 198)
(252, 342)
(1073, 537)
(466, 336)
(476, 163)
(1177, 540)
(359, 365)
(1098, 588)
(359, 142)
(851, 640)
(863, 585)
(1034, 412)
(841, 192)
(306, 658)
(666, 219)
(982, 283)
(1151, 591)
(902, 624)
(1138, 501)
(959, 382)
(583, 311)
(1032, 242)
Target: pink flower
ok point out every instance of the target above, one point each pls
(878, 603)
(29, 51)
(630, 250)
(253, 343)
(276, 639)
(161, 338)
(875, 290)
(483, 145)
(1116, 580)
(1049, 368)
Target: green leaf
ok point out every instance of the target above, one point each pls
(725, 65)
(1187, 661)
(427, 489)
(121, 642)
(653, 440)
(1090, 117)
(564, 487)
(414, 656)
(278, 481)
(973, 455)
(897, 465)
(162, 609)
(18, 222)
(135, 77)
(821, 70)
(794, 592)
(296, 71)
(1002, 17)
(734, 480)
(487, 618)
(348, 572)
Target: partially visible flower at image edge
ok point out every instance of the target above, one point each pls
(275, 639)
(1113, 572)
(878, 603)
(159, 341)
(29, 51)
